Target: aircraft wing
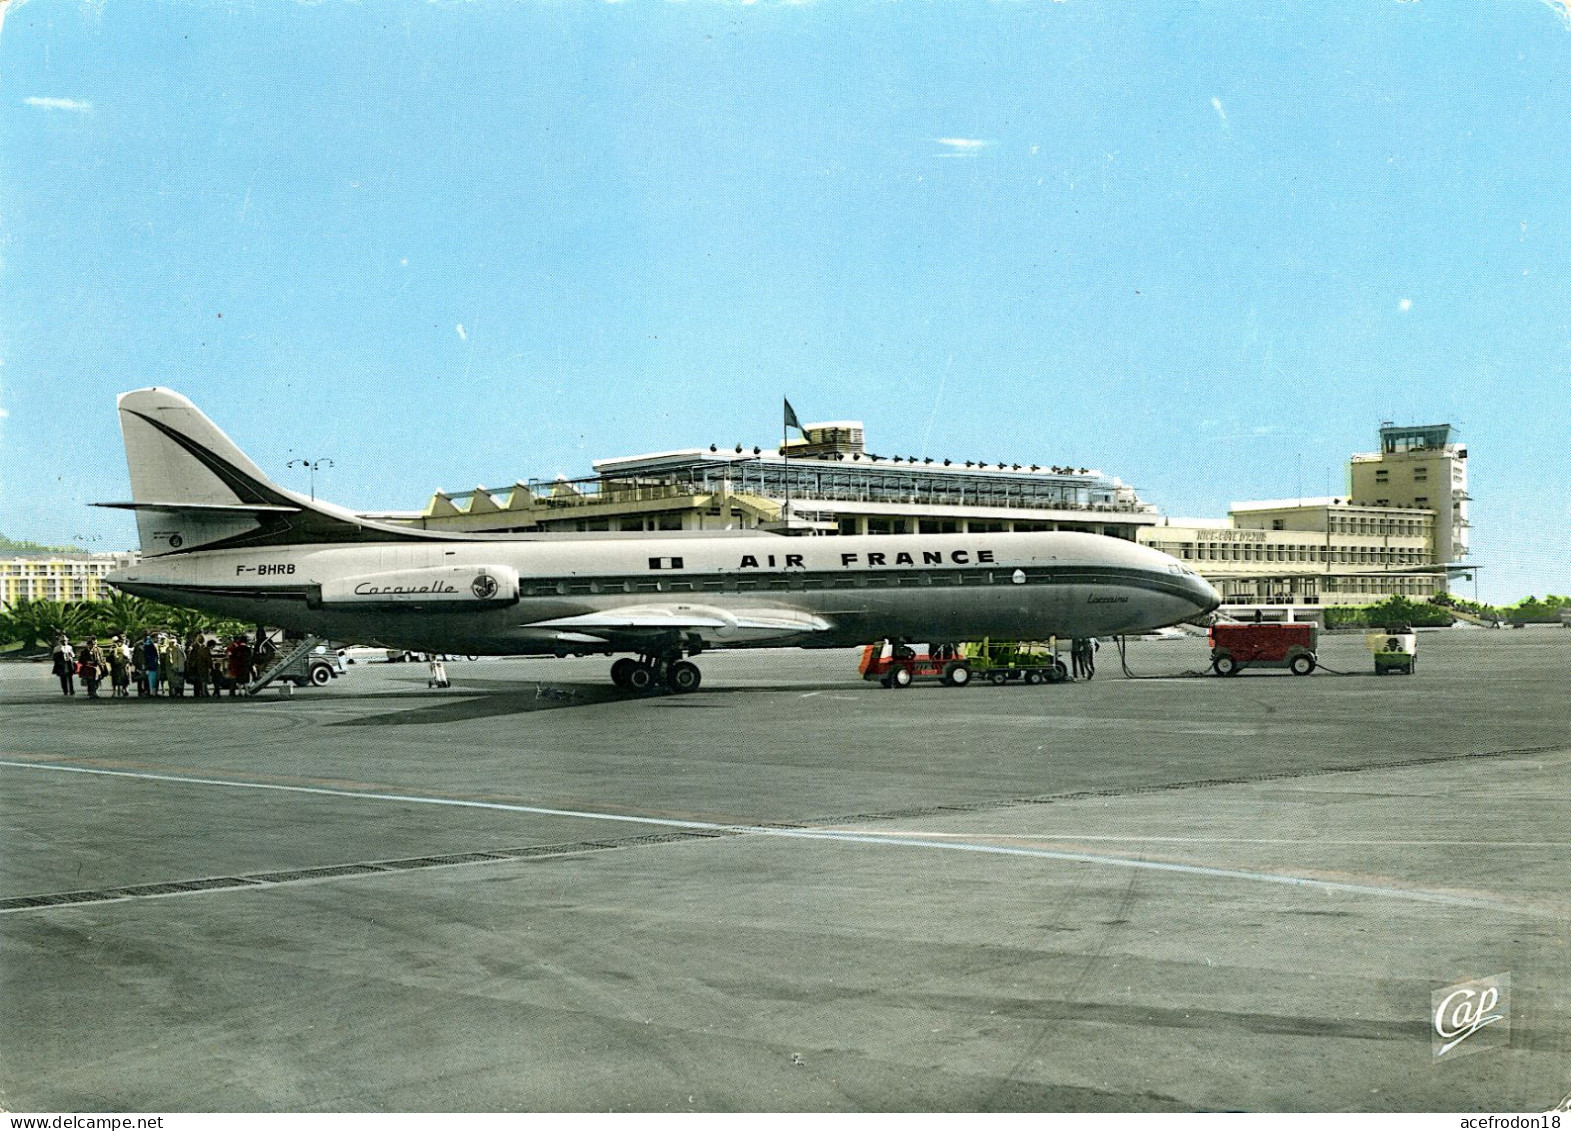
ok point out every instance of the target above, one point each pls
(712, 624)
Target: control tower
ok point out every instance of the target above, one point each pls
(1421, 467)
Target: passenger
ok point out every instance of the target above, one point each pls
(438, 673)
(239, 657)
(138, 667)
(217, 663)
(1089, 662)
(198, 665)
(150, 662)
(174, 666)
(92, 666)
(119, 657)
(65, 664)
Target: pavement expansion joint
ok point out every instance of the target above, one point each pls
(275, 878)
(1167, 787)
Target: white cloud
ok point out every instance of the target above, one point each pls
(9, 6)
(462, 333)
(962, 146)
(60, 104)
(1405, 305)
(1216, 104)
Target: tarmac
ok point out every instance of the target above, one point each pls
(792, 890)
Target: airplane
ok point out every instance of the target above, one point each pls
(218, 535)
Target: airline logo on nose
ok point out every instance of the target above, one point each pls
(483, 586)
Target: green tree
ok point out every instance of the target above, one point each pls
(33, 623)
(1394, 610)
(122, 613)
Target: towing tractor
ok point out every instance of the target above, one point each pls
(955, 665)
(1235, 647)
(899, 665)
(1394, 648)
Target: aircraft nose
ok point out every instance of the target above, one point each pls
(1203, 594)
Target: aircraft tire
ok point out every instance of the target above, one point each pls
(683, 677)
(640, 678)
(620, 670)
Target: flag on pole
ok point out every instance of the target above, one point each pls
(790, 417)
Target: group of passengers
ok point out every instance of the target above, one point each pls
(160, 663)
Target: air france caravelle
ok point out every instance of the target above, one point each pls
(219, 536)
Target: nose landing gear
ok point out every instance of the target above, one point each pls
(653, 670)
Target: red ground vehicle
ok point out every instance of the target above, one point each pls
(898, 664)
(1238, 646)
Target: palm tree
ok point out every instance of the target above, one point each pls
(39, 622)
(121, 613)
(185, 622)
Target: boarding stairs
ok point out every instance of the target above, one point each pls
(1472, 618)
(283, 662)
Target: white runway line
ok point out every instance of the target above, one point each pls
(871, 838)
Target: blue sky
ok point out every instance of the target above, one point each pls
(1204, 247)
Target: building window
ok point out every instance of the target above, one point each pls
(937, 526)
(1277, 524)
(848, 526)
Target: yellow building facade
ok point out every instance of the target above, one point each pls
(57, 577)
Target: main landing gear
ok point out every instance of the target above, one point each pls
(650, 671)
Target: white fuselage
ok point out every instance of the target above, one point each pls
(522, 596)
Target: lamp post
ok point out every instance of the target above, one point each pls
(312, 464)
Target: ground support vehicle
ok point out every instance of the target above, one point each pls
(1395, 649)
(1238, 646)
(1010, 661)
(318, 667)
(899, 665)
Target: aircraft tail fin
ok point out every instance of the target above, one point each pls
(193, 489)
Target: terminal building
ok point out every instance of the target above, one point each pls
(1401, 529)
(825, 483)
